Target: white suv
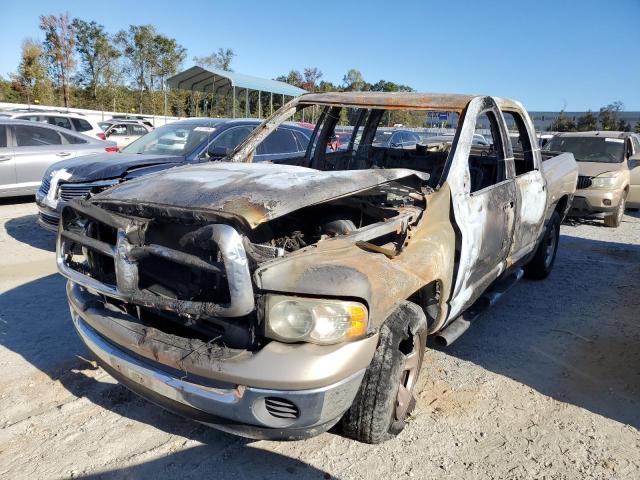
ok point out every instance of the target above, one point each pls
(76, 122)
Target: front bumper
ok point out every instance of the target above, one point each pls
(589, 201)
(48, 218)
(238, 406)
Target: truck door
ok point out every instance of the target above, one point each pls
(483, 197)
(531, 194)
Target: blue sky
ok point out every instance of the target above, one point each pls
(578, 54)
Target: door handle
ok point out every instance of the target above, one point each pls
(63, 154)
(5, 159)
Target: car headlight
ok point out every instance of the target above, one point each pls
(296, 319)
(607, 180)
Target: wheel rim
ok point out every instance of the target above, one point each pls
(405, 399)
(550, 247)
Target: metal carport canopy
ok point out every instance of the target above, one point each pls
(221, 81)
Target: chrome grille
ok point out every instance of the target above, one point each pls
(45, 185)
(71, 191)
(116, 266)
(281, 408)
(583, 182)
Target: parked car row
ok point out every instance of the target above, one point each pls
(27, 149)
(75, 122)
(188, 141)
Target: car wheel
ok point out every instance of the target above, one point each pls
(540, 265)
(386, 396)
(615, 219)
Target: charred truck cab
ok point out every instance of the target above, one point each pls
(274, 301)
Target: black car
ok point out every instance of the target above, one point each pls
(188, 141)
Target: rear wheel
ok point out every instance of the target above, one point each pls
(540, 265)
(615, 219)
(386, 396)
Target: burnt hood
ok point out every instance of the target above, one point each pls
(105, 166)
(254, 192)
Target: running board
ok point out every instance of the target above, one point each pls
(452, 332)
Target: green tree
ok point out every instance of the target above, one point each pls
(636, 129)
(136, 45)
(385, 86)
(149, 54)
(59, 44)
(562, 124)
(294, 77)
(326, 86)
(97, 54)
(221, 59)
(31, 78)
(608, 116)
(353, 80)
(588, 122)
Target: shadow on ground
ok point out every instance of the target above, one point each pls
(574, 337)
(237, 461)
(25, 229)
(35, 323)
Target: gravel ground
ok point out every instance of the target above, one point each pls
(545, 385)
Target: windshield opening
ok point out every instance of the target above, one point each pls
(172, 139)
(589, 149)
(357, 138)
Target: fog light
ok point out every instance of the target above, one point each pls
(606, 202)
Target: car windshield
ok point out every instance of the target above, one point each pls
(589, 149)
(172, 139)
(382, 136)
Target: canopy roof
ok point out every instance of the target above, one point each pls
(221, 81)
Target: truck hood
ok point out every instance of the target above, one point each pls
(254, 192)
(593, 169)
(106, 166)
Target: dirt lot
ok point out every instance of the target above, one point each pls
(546, 385)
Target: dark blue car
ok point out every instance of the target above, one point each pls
(193, 140)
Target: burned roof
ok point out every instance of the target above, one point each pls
(401, 100)
(597, 133)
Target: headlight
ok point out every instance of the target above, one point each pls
(296, 319)
(607, 181)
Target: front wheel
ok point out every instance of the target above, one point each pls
(615, 219)
(386, 396)
(540, 265)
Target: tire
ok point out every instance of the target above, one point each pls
(385, 398)
(615, 219)
(540, 266)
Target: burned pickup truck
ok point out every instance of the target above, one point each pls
(274, 301)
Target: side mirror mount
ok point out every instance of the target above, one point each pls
(216, 153)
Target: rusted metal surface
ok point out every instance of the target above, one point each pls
(391, 100)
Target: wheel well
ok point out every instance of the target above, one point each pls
(428, 298)
(561, 206)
